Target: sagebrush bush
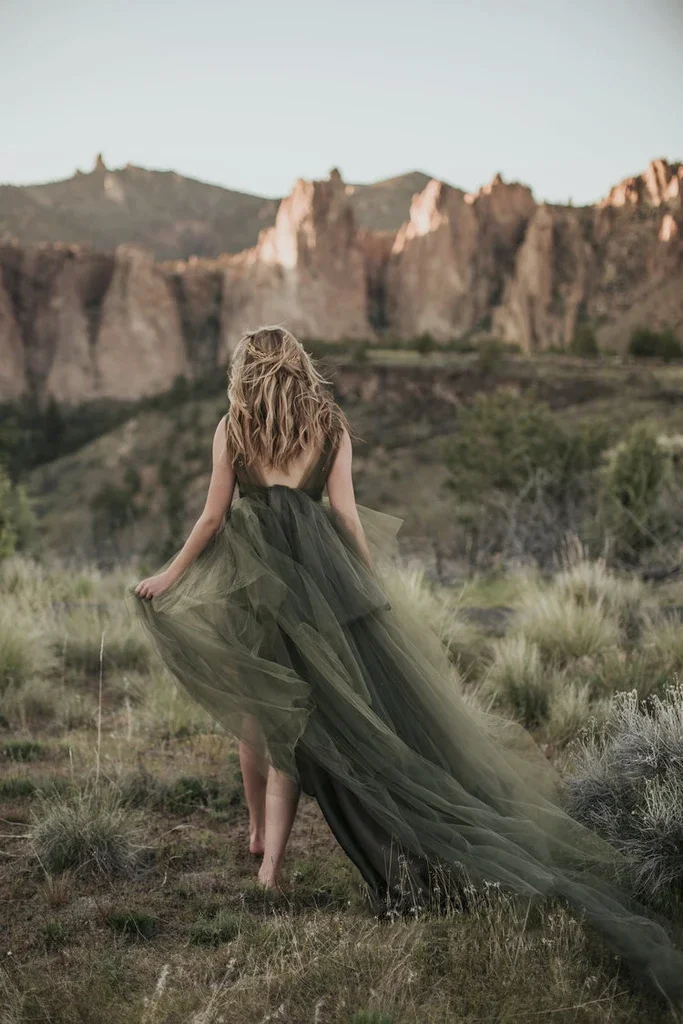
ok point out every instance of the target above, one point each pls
(89, 830)
(627, 784)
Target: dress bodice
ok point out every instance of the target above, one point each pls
(312, 481)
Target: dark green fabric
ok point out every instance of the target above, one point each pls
(281, 631)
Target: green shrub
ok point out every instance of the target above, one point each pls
(17, 519)
(23, 750)
(15, 786)
(504, 440)
(224, 927)
(523, 478)
(648, 344)
(490, 352)
(633, 484)
(54, 934)
(585, 343)
(112, 507)
(133, 924)
(425, 343)
(359, 351)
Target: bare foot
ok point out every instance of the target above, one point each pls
(256, 843)
(269, 879)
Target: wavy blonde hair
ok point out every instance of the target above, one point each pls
(279, 402)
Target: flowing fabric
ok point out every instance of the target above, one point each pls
(282, 632)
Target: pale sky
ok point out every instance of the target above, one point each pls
(568, 96)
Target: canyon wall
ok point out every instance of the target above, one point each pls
(79, 324)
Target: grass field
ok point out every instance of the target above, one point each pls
(128, 889)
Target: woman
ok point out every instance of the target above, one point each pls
(273, 617)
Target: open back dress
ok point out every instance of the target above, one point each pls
(284, 634)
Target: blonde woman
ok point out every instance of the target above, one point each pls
(276, 615)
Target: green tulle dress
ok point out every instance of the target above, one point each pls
(284, 635)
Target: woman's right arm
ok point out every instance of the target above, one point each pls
(342, 498)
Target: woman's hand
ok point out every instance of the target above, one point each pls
(154, 585)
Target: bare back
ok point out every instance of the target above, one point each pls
(308, 472)
(295, 473)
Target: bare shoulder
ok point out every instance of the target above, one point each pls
(219, 439)
(344, 440)
(342, 457)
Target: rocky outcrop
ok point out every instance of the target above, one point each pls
(612, 266)
(307, 272)
(80, 324)
(140, 330)
(376, 247)
(448, 263)
(546, 294)
(660, 185)
(84, 325)
(12, 363)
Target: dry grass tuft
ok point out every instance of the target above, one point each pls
(89, 831)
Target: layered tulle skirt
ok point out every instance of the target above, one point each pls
(284, 635)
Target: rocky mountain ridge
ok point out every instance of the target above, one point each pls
(173, 216)
(80, 324)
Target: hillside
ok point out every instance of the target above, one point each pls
(385, 205)
(124, 493)
(174, 216)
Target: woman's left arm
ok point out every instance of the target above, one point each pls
(218, 500)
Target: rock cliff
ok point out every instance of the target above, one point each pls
(448, 263)
(307, 272)
(81, 324)
(613, 266)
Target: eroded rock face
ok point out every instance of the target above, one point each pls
(661, 184)
(12, 369)
(448, 263)
(614, 266)
(306, 273)
(79, 324)
(139, 349)
(544, 297)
